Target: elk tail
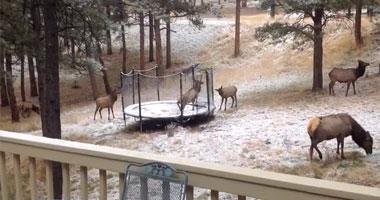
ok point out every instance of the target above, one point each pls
(313, 125)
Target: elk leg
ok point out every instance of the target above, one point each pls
(331, 87)
(341, 148)
(108, 113)
(348, 87)
(353, 85)
(100, 112)
(221, 104)
(319, 152)
(96, 110)
(332, 84)
(338, 143)
(233, 101)
(112, 112)
(236, 101)
(311, 152)
(225, 104)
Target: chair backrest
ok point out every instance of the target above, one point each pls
(154, 181)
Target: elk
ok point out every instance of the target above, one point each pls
(346, 76)
(106, 102)
(225, 93)
(26, 108)
(190, 96)
(337, 126)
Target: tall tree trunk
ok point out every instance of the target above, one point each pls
(168, 46)
(272, 9)
(38, 53)
(32, 77)
(349, 14)
(244, 3)
(94, 85)
(318, 50)
(104, 70)
(151, 37)
(51, 120)
(22, 73)
(237, 29)
(358, 23)
(371, 4)
(3, 86)
(142, 41)
(10, 89)
(91, 70)
(108, 33)
(158, 46)
(124, 48)
(72, 41)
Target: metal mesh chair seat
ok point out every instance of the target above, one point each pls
(154, 181)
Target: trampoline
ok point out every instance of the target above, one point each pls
(166, 110)
(147, 96)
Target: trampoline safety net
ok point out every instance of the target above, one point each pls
(148, 96)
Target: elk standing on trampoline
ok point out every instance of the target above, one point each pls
(190, 96)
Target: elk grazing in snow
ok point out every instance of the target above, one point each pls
(346, 76)
(106, 102)
(225, 93)
(26, 108)
(337, 126)
(190, 96)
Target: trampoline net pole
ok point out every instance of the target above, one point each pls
(212, 85)
(133, 86)
(158, 84)
(193, 74)
(139, 96)
(208, 92)
(181, 95)
(122, 97)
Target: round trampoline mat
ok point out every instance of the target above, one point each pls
(166, 110)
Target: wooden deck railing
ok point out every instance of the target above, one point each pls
(240, 181)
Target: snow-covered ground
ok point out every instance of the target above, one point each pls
(268, 128)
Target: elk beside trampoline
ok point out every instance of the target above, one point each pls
(149, 97)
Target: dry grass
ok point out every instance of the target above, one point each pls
(355, 169)
(263, 59)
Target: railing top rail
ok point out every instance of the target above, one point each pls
(237, 180)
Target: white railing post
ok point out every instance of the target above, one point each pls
(83, 183)
(66, 181)
(3, 177)
(49, 179)
(32, 178)
(103, 184)
(214, 195)
(121, 183)
(17, 169)
(189, 192)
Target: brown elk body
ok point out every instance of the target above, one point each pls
(337, 126)
(106, 102)
(346, 76)
(190, 96)
(26, 108)
(225, 93)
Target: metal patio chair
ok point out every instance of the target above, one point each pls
(154, 181)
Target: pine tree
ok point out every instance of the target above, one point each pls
(320, 12)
